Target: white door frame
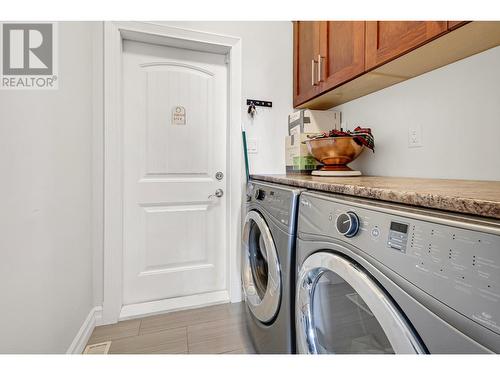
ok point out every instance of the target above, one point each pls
(114, 35)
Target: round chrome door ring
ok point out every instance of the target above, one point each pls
(264, 309)
(397, 330)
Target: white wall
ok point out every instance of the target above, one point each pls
(458, 107)
(267, 53)
(45, 200)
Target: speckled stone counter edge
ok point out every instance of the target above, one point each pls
(441, 202)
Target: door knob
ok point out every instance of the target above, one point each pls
(218, 193)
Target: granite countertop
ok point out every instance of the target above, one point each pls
(480, 198)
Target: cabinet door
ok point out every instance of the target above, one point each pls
(454, 24)
(342, 52)
(386, 40)
(305, 63)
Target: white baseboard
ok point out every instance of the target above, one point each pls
(139, 310)
(237, 295)
(98, 316)
(82, 337)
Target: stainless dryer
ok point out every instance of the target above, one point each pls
(375, 277)
(268, 264)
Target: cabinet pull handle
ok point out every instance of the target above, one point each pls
(313, 81)
(319, 68)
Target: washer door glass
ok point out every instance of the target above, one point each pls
(257, 254)
(260, 268)
(342, 310)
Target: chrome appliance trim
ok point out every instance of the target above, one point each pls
(397, 330)
(264, 309)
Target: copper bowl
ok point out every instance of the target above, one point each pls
(334, 152)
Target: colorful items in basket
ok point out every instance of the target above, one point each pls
(362, 136)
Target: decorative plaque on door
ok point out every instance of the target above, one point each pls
(178, 115)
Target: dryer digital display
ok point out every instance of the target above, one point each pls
(398, 236)
(399, 227)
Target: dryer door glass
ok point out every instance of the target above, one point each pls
(343, 322)
(261, 273)
(341, 309)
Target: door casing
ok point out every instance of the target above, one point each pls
(114, 34)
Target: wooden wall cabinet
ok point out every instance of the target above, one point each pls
(338, 61)
(342, 51)
(305, 55)
(326, 54)
(386, 40)
(454, 24)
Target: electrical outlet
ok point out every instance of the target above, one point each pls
(415, 136)
(252, 146)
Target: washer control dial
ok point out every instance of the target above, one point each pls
(260, 194)
(348, 224)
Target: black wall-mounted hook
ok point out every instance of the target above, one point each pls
(259, 103)
(252, 111)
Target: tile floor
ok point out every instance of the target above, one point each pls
(218, 329)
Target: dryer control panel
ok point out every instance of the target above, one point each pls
(279, 202)
(455, 261)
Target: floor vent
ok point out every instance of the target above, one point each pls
(99, 348)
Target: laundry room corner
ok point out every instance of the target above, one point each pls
(249, 187)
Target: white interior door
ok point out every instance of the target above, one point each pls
(175, 124)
